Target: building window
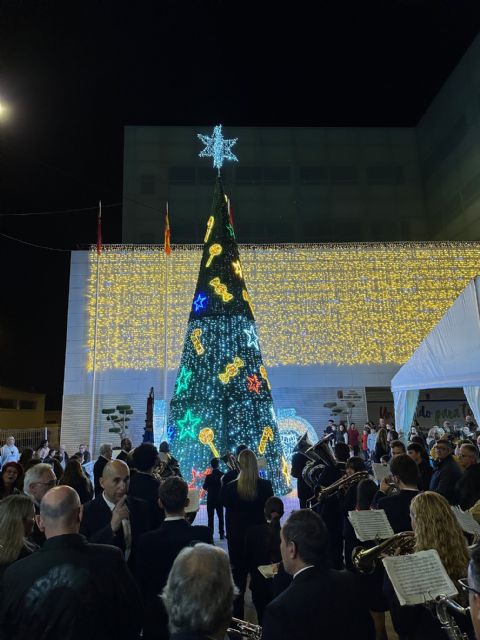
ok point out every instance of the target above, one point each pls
(147, 185)
(181, 175)
(29, 405)
(8, 403)
(385, 174)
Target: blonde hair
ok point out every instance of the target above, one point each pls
(248, 476)
(436, 527)
(14, 511)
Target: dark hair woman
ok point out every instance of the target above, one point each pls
(244, 499)
(11, 479)
(381, 446)
(25, 457)
(262, 547)
(75, 477)
(17, 516)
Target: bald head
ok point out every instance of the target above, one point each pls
(60, 512)
(115, 480)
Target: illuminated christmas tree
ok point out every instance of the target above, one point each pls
(222, 394)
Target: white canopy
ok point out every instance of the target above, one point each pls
(448, 357)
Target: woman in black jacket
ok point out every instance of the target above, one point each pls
(244, 500)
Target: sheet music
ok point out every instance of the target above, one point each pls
(466, 521)
(370, 525)
(194, 497)
(418, 577)
(380, 471)
(268, 570)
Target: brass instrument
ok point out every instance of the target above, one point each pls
(344, 483)
(365, 560)
(244, 629)
(449, 625)
(230, 460)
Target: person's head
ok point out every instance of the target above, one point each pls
(447, 426)
(474, 590)
(341, 427)
(25, 456)
(366, 429)
(12, 474)
(416, 452)
(73, 473)
(62, 449)
(341, 451)
(436, 527)
(115, 480)
(413, 430)
(43, 444)
(397, 448)
(353, 425)
(304, 539)
(404, 471)
(38, 480)
(418, 440)
(468, 455)
(468, 419)
(126, 444)
(214, 462)
(366, 489)
(60, 512)
(164, 447)
(106, 451)
(173, 496)
(385, 460)
(239, 449)
(199, 592)
(17, 514)
(248, 476)
(273, 509)
(354, 464)
(10, 441)
(443, 448)
(82, 448)
(145, 457)
(382, 437)
(381, 423)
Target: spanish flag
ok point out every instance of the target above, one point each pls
(167, 233)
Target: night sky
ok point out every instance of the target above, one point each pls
(75, 78)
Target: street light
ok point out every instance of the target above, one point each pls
(4, 111)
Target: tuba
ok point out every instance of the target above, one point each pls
(365, 560)
(340, 485)
(230, 460)
(242, 629)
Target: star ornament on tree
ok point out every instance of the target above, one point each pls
(200, 302)
(187, 425)
(253, 383)
(217, 147)
(252, 338)
(183, 380)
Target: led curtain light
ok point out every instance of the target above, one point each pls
(222, 395)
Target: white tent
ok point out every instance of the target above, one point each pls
(448, 357)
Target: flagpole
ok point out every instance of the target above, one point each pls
(94, 376)
(165, 363)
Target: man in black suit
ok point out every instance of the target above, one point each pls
(318, 598)
(397, 505)
(83, 454)
(213, 487)
(468, 486)
(143, 485)
(98, 467)
(127, 446)
(158, 549)
(112, 517)
(38, 480)
(447, 472)
(70, 589)
(304, 491)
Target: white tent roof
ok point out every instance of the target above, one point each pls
(450, 355)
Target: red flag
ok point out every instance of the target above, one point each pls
(99, 228)
(167, 233)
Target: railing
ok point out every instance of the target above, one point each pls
(33, 437)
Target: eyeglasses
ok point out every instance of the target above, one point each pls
(463, 582)
(50, 484)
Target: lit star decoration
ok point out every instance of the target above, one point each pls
(231, 231)
(183, 380)
(188, 424)
(252, 338)
(254, 383)
(200, 302)
(237, 267)
(217, 147)
(170, 432)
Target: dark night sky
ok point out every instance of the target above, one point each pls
(75, 77)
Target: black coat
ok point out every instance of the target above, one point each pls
(96, 523)
(445, 477)
(319, 603)
(467, 488)
(83, 458)
(425, 473)
(70, 590)
(145, 487)
(397, 509)
(299, 460)
(98, 468)
(213, 487)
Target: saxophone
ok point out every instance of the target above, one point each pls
(242, 629)
(340, 485)
(449, 625)
(365, 560)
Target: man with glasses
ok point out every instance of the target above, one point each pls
(472, 585)
(468, 487)
(38, 480)
(447, 472)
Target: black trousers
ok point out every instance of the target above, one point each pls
(211, 508)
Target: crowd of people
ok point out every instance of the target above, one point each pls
(120, 556)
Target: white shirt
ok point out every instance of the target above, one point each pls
(171, 518)
(309, 566)
(9, 454)
(127, 529)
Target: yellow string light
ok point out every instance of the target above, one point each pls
(206, 437)
(231, 370)
(214, 250)
(221, 289)
(210, 223)
(195, 338)
(345, 304)
(267, 435)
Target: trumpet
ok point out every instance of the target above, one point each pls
(230, 460)
(344, 483)
(365, 560)
(244, 629)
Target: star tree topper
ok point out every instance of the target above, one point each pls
(217, 147)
